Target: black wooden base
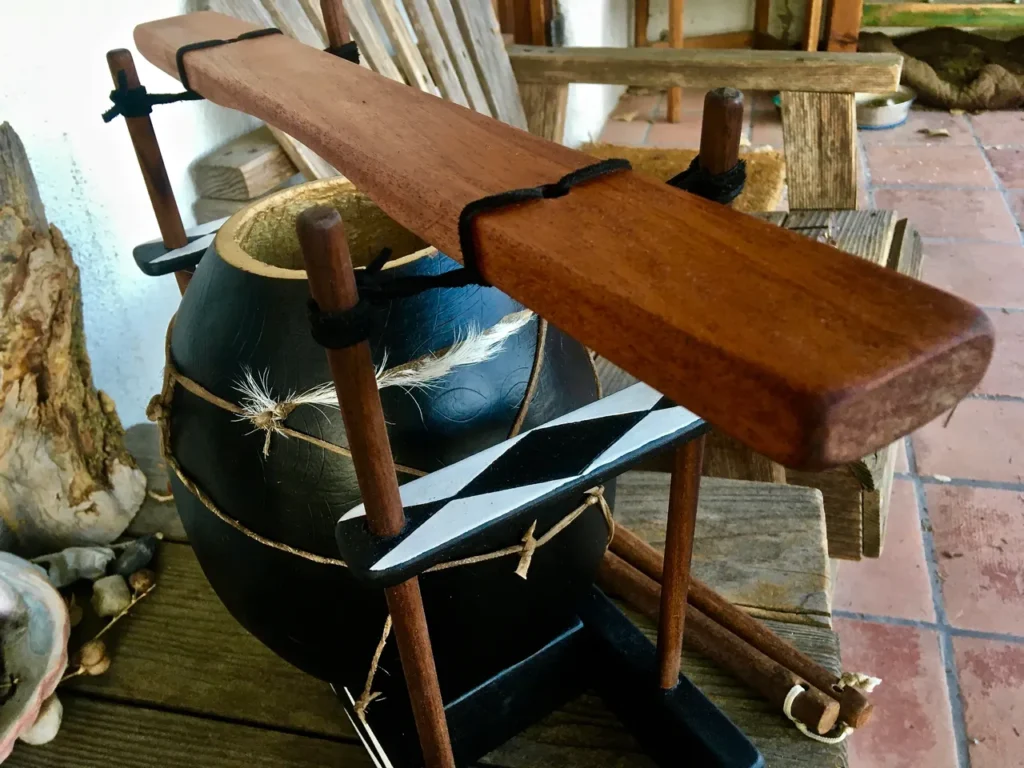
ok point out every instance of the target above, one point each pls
(605, 651)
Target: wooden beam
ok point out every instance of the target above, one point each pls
(820, 132)
(843, 26)
(812, 25)
(244, 169)
(545, 107)
(763, 16)
(743, 39)
(1001, 15)
(642, 16)
(675, 34)
(732, 331)
(707, 69)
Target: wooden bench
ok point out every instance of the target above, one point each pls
(188, 686)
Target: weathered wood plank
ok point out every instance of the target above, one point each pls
(210, 208)
(245, 168)
(448, 26)
(995, 15)
(370, 41)
(812, 24)
(409, 58)
(482, 34)
(820, 132)
(708, 68)
(545, 107)
(102, 734)
(435, 51)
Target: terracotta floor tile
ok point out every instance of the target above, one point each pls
(1006, 373)
(672, 135)
(766, 129)
(910, 133)
(977, 214)
(868, 586)
(935, 164)
(1015, 197)
(912, 726)
(992, 690)
(979, 542)
(627, 133)
(1008, 163)
(983, 441)
(995, 128)
(987, 274)
(644, 105)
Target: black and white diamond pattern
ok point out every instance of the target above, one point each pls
(153, 258)
(575, 451)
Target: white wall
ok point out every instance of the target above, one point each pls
(590, 23)
(54, 84)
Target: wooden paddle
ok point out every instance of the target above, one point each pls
(808, 355)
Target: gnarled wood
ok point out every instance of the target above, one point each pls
(766, 334)
(65, 476)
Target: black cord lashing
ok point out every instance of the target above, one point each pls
(179, 56)
(138, 102)
(348, 51)
(335, 330)
(718, 187)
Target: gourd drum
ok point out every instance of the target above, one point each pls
(277, 568)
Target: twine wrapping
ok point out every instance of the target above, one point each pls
(857, 680)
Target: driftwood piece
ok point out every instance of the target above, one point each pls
(65, 476)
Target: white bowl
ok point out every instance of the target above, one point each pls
(884, 110)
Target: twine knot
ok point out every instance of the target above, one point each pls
(529, 547)
(859, 681)
(270, 421)
(156, 409)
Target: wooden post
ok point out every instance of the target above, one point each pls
(642, 16)
(151, 162)
(843, 26)
(675, 34)
(762, 19)
(812, 25)
(335, 22)
(682, 518)
(332, 285)
(721, 126)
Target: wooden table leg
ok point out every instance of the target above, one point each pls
(332, 284)
(675, 34)
(151, 161)
(682, 518)
(843, 26)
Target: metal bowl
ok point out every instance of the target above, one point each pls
(876, 111)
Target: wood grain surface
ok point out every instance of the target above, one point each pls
(820, 132)
(245, 168)
(786, 354)
(709, 68)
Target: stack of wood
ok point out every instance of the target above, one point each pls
(241, 171)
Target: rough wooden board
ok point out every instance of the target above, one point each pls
(482, 34)
(545, 107)
(779, 529)
(209, 209)
(309, 163)
(448, 26)
(155, 516)
(708, 68)
(102, 734)
(245, 168)
(844, 496)
(820, 134)
(992, 15)
(585, 734)
(907, 253)
(408, 55)
(435, 52)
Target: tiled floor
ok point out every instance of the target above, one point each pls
(940, 616)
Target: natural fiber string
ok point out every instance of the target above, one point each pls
(531, 383)
(857, 680)
(367, 695)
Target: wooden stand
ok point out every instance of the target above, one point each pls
(151, 161)
(332, 284)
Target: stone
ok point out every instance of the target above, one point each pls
(110, 595)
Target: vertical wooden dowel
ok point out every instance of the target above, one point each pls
(812, 25)
(335, 22)
(682, 518)
(720, 130)
(762, 18)
(642, 17)
(675, 35)
(842, 29)
(332, 285)
(151, 161)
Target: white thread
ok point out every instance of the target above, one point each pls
(787, 710)
(859, 681)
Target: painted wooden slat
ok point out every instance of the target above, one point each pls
(994, 15)
(435, 51)
(369, 38)
(448, 25)
(483, 36)
(406, 52)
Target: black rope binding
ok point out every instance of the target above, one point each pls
(179, 56)
(718, 187)
(336, 330)
(348, 51)
(137, 102)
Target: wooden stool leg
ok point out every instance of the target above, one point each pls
(682, 518)
(675, 34)
(335, 22)
(720, 129)
(151, 161)
(332, 284)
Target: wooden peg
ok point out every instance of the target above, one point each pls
(335, 22)
(720, 130)
(675, 34)
(151, 161)
(332, 284)
(682, 519)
